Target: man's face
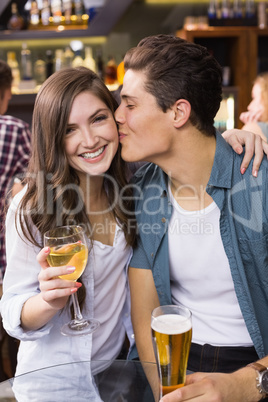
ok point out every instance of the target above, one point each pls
(4, 101)
(144, 129)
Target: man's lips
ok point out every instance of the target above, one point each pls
(121, 136)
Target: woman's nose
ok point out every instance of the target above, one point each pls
(88, 139)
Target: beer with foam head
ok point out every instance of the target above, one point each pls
(172, 335)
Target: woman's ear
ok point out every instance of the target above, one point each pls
(182, 111)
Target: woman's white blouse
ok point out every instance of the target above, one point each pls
(108, 301)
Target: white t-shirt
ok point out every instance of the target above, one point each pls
(201, 277)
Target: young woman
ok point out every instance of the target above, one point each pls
(255, 119)
(76, 176)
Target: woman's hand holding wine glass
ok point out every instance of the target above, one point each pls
(68, 245)
(55, 291)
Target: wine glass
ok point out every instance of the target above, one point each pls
(68, 246)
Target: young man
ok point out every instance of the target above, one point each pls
(15, 148)
(203, 226)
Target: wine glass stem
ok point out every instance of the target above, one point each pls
(77, 311)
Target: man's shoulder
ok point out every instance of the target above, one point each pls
(13, 121)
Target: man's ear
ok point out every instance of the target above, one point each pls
(182, 111)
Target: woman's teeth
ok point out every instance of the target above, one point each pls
(90, 155)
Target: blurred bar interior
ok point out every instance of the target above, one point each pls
(38, 37)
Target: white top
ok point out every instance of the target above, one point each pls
(108, 301)
(201, 278)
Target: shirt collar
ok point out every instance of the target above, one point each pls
(221, 174)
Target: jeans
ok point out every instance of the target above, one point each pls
(222, 359)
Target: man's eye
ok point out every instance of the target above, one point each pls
(130, 106)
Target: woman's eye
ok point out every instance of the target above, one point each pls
(69, 130)
(100, 118)
(130, 106)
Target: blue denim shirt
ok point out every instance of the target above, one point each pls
(242, 200)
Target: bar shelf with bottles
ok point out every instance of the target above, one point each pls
(236, 34)
(64, 21)
(30, 72)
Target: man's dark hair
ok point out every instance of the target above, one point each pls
(178, 69)
(5, 77)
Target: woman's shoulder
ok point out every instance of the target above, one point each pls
(17, 199)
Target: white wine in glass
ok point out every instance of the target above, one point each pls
(68, 246)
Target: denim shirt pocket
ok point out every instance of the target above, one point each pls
(254, 254)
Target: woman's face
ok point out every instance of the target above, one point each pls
(91, 139)
(256, 106)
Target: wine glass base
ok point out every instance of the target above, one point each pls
(80, 327)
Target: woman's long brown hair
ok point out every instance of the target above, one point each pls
(47, 203)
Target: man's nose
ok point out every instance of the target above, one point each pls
(118, 114)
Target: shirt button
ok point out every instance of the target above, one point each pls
(163, 220)
(152, 255)
(164, 194)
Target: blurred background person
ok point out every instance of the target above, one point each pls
(255, 119)
(15, 149)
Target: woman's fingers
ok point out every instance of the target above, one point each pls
(57, 293)
(257, 146)
(42, 257)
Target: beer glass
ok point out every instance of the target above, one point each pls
(172, 335)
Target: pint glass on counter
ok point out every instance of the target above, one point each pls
(172, 335)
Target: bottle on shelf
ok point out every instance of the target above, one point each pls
(34, 15)
(79, 11)
(250, 9)
(120, 72)
(27, 82)
(89, 61)
(226, 10)
(212, 9)
(45, 13)
(262, 14)
(68, 56)
(73, 15)
(14, 65)
(78, 60)
(49, 63)
(56, 10)
(26, 63)
(59, 60)
(40, 70)
(238, 9)
(100, 64)
(110, 77)
(67, 11)
(16, 21)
